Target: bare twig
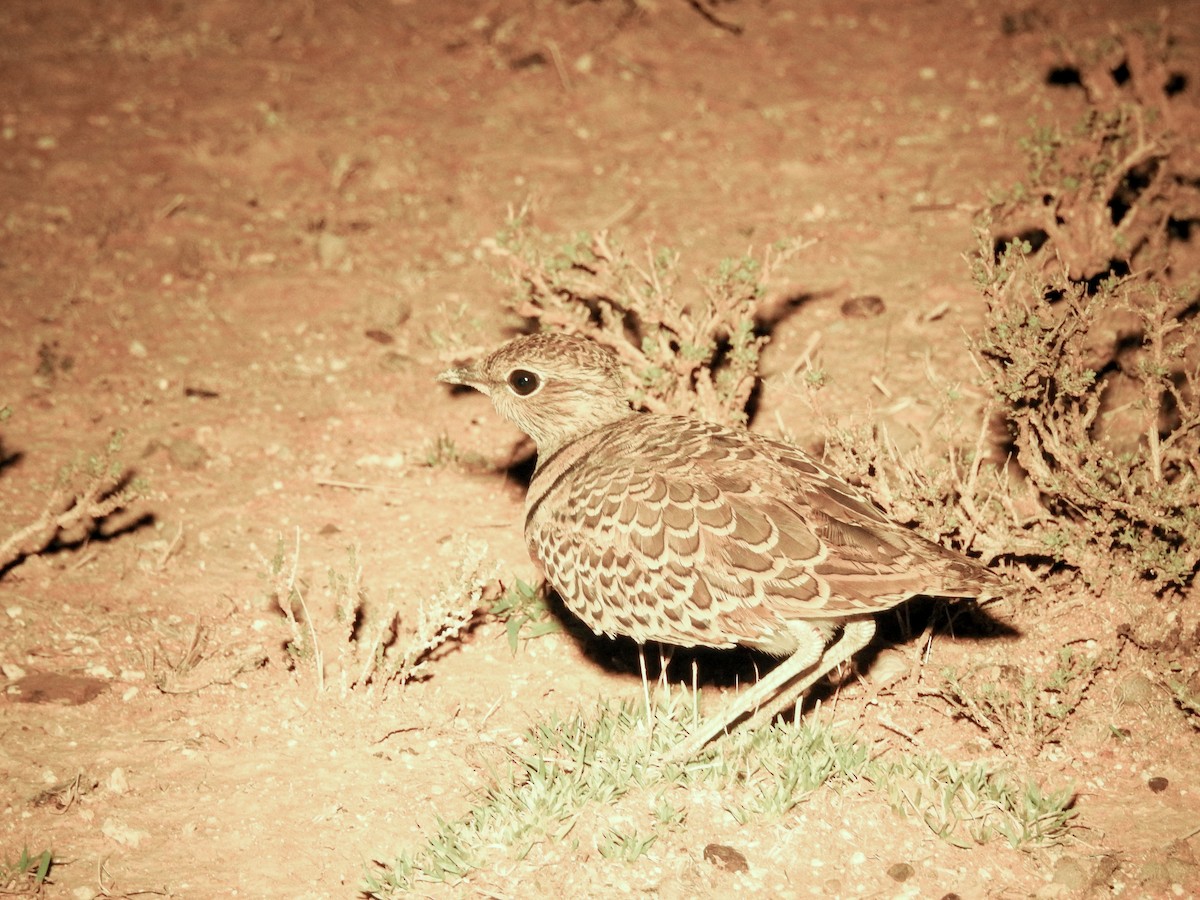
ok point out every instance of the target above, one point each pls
(105, 490)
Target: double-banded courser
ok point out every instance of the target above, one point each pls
(669, 529)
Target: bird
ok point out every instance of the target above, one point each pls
(689, 533)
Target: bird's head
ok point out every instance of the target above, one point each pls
(554, 387)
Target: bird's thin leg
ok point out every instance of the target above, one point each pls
(806, 655)
(645, 686)
(665, 655)
(777, 690)
(855, 636)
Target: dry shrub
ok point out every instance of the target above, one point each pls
(1091, 355)
(1109, 194)
(88, 491)
(1093, 342)
(378, 648)
(1024, 708)
(960, 497)
(695, 355)
(1125, 496)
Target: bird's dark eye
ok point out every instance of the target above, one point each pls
(523, 382)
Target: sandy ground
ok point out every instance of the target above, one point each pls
(248, 235)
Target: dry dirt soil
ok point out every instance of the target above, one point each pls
(248, 235)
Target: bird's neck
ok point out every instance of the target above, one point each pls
(587, 430)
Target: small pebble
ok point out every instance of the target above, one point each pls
(1072, 874)
(900, 872)
(726, 858)
(889, 666)
(1135, 690)
(867, 306)
(117, 831)
(118, 783)
(1157, 784)
(186, 454)
(332, 251)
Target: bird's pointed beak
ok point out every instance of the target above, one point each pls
(465, 375)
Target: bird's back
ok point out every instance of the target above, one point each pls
(669, 529)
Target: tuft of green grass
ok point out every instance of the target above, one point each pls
(442, 452)
(970, 804)
(774, 769)
(576, 775)
(27, 874)
(523, 610)
(626, 846)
